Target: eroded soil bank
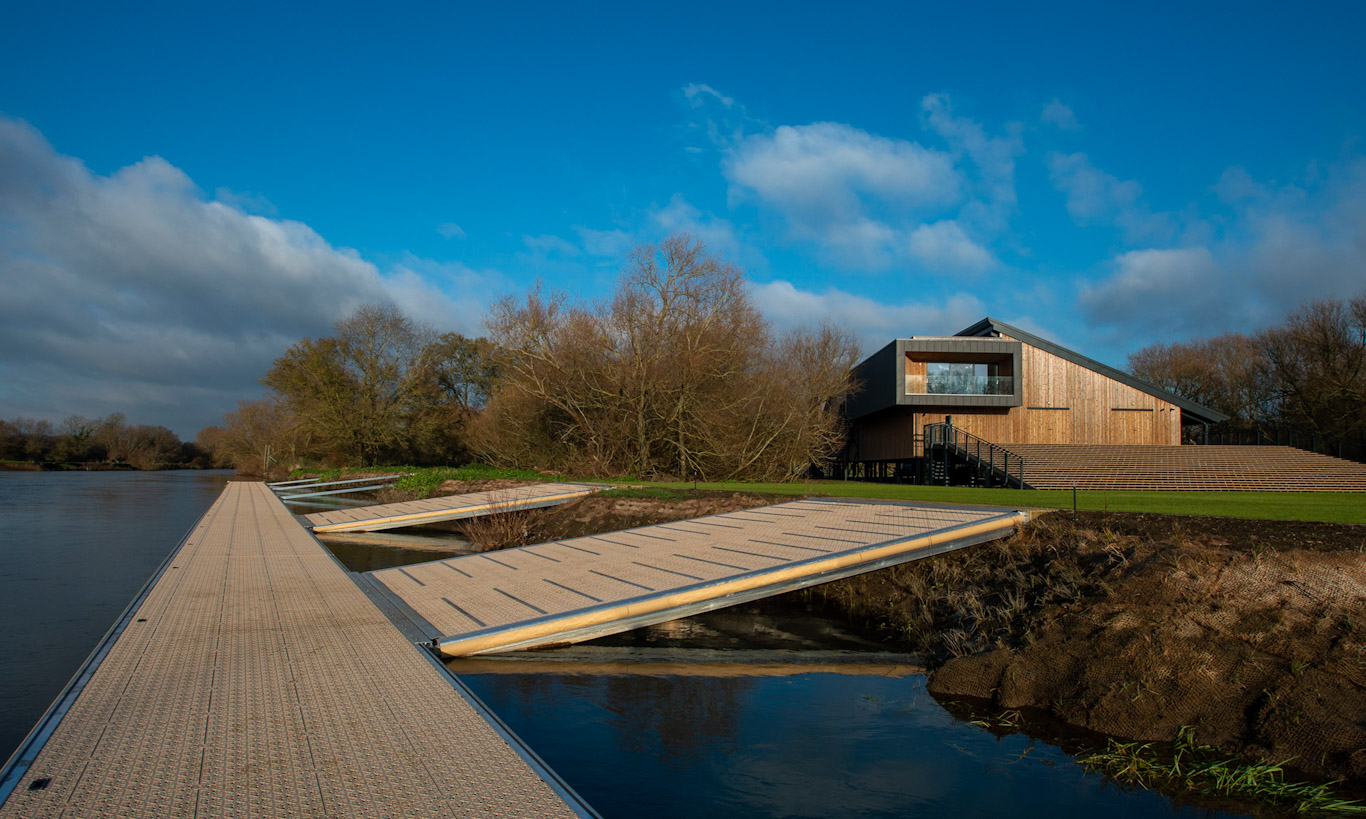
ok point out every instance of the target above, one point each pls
(1134, 625)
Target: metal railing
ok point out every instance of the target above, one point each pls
(1345, 448)
(960, 385)
(999, 463)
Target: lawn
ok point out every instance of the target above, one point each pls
(1333, 507)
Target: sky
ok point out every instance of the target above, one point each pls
(186, 190)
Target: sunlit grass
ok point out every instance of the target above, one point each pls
(1333, 507)
(1202, 769)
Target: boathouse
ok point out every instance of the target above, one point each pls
(997, 405)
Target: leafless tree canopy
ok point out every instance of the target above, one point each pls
(1309, 373)
(676, 374)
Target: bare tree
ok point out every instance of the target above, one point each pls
(677, 374)
(1318, 361)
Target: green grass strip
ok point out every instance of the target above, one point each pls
(1331, 507)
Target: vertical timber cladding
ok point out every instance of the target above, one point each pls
(1066, 403)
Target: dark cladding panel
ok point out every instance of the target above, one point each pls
(879, 382)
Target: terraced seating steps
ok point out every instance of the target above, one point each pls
(1195, 468)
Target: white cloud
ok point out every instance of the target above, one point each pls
(875, 321)
(1168, 289)
(1277, 247)
(134, 292)
(871, 202)
(944, 246)
(450, 230)
(1059, 116)
(1097, 198)
(717, 234)
(825, 170)
(841, 187)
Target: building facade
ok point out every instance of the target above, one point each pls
(1006, 386)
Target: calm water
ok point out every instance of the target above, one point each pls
(660, 734)
(75, 547)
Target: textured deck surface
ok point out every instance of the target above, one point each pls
(451, 507)
(543, 593)
(256, 679)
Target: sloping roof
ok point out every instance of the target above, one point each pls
(1198, 412)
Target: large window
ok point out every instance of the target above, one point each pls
(945, 378)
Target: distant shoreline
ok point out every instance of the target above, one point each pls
(54, 466)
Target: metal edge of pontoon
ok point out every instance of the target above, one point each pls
(533, 760)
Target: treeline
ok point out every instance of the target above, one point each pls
(1306, 374)
(676, 374)
(108, 441)
(382, 389)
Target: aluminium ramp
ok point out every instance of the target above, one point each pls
(579, 589)
(449, 507)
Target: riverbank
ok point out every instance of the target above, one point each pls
(1250, 633)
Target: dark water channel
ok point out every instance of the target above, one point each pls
(765, 711)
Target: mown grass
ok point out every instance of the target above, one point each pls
(424, 480)
(653, 492)
(1202, 769)
(1330, 507)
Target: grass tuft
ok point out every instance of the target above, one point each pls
(1205, 770)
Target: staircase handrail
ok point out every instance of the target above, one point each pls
(947, 435)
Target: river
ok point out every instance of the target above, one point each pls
(757, 714)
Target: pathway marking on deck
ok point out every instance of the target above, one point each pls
(449, 507)
(640, 578)
(255, 678)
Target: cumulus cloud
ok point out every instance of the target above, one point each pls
(944, 246)
(134, 292)
(1277, 246)
(1097, 198)
(872, 202)
(875, 321)
(1060, 116)
(1168, 288)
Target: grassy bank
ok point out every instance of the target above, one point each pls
(1329, 507)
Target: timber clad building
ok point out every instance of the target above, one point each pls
(1007, 386)
(1027, 412)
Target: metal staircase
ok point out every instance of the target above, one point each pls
(986, 463)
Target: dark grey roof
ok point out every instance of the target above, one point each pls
(1198, 412)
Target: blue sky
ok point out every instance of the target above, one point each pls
(185, 191)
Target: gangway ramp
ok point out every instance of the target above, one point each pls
(573, 590)
(450, 507)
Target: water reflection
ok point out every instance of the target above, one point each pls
(815, 744)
